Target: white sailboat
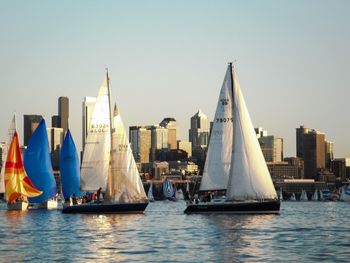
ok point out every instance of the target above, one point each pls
(315, 196)
(292, 197)
(303, 196)
(235, 162)
(108, 163)
(345, 193)
(150, 193)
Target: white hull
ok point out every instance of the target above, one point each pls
(19, 206)
(50, 204)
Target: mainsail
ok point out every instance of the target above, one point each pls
(249, 177)
(69, 168)
(124, 183)
(11, 132)
(37, 162)
(17, 182)
(96, 156)
(218, 162)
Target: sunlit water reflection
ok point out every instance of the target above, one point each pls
(303, 232)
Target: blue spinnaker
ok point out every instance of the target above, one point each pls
(37, 163)
(69, 166)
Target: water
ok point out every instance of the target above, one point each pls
(303, 232)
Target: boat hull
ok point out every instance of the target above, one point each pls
(254, 207)
(100, 208)
(49, 204)
(19, 206)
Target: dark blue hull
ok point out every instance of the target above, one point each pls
(263, 207)
(100, 208)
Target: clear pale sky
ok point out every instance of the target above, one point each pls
(168, 59)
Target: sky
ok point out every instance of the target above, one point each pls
(168, 59)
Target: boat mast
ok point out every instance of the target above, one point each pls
(234, 128)
(108, 189)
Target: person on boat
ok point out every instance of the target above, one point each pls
(99, 194)
(74, 200)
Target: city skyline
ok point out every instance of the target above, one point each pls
(292, 73)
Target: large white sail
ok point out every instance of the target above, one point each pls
(218, 162)
(96, 156)
(124, 182)
(11, 132)
(249, 176)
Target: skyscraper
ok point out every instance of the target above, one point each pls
(159, 139)
(140, 140)
(171, 125)
(55, 136)
(311, 147)
(199, 131)
(185, 146)
(30, 122)
(63, 112)
(272, 148)
(88, 107)
(328, 153)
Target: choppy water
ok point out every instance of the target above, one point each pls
(303, 232)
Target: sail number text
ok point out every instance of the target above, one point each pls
(99, 128)
(221, 120)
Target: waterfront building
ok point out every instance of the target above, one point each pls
(30, 122)
(63, 113)
(88, 107)
(183, 167)
(140, 142)
(340, 167)
(185, 146)
(290, 168)
(311, 147)
(173, 133)
(199, 131)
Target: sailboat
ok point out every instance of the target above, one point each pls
(150, 193)
(292, 197)
(108, 163)
(37, 162)
(235, 162)
(303, 196)
(17, 184)
(11, 132)
(69, 169)
(168, 190)
(315, 195)
(345, 193)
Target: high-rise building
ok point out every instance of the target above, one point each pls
(56, 121)
(30, 122)
(88, 107)
(311, 147)
(260, 132)
(140, 140)
(299, 140)
(159, 139)
(271, 146)
(199, 131)
(171, 125)
(63, 112)
(328, 153)
(55, 136)
(185, 146)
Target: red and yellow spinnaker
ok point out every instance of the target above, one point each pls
(17, 183)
